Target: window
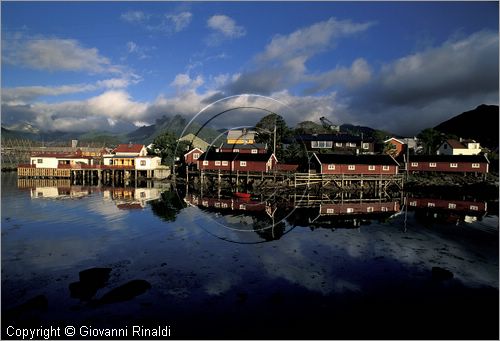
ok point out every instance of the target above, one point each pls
(351, 144)
(372, 168)
(204, 203)
(217, 204)
(386, 168)
(453, 165)
(321, 144)
(330, 211)
(205, 163)
(331, 167)
(224, 163)
(243, 163)
(413, 203)
(217, 163)
(384, 209)
(369, 209)
(414, 164)
(224, 205)
(432, 164)
(473, 208)
(445, 146)
(338, 144)
(475, 165)
(217, 150)
(236, 150)
(242, 206)
(366, 146)
(196, 156)
(143, 194)
(452, 205)
(143, 162)
(40, 160)
(351, 167)
(431, 204)
(254, 151)
(350, 210)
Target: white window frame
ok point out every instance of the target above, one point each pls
(242, 207)
(369, 209)
(476, 165)
(351, 167)
(330, 211)
(224, 205)
(474, 208)
(236, 150)
(143, 162)
(243, 163)
(432, 164)
(386, 168)
(217, 205)
(255, 151)
(196, 156)
(206, 162)
(351, 144)
(366, 145)
(414, 164)
(225, 163)
(331, 167)
(452, 205)
(204, 203)
(371, 167)
(39, 161)
(384, 209)
(431, 204)
(413, 203)
(338, 144)
(350, 210)
(217, 163)
(453, 165)
(321, 144)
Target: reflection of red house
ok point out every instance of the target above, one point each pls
(233, 204)
(192, 156)
(452, 205)
(359, 208)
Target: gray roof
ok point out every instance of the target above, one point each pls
(241, 134)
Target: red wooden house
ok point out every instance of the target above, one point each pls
(355, 164)
(360, 208)
(255, 148)
(192, 156)
(452, 205)
(448, 163)
(237, 162)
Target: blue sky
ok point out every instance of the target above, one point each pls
(400, 66)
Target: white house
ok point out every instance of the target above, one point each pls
(53, 160)
(462, 147)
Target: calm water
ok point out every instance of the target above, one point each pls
(207, 271)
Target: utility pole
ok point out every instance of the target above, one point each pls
(274, 144)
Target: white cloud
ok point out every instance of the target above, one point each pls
(135, 16)
(184, 81)
(140, 52)
(57, 55)
(310, 40)
(180, 21)
(226, 26)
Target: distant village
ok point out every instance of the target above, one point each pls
(334, 153)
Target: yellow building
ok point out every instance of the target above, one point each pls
(241, 137)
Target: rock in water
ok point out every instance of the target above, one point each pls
(126, 291)
(441, 274)
(90, 281)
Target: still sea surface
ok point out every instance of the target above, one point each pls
(226, 268)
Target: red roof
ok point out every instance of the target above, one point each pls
(129, 148)
(455, 144)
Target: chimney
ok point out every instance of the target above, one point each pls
(74, 143)
(130, 144)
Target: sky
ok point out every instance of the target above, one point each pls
(116, 66)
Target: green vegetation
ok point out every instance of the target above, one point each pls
(167, 147)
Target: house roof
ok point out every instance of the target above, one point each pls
(194, 150)
(448, 158)
(195, 141)
(455, 144)
(213, 156)
(243, 146)
(61, 155)
(395, 139)
(356, 159)
(241, 135)
(128, 148)
(332, 137)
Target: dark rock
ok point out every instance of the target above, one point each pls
(91, 280)
(441, 274)
(126, 291)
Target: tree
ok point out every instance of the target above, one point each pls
(390, 149)
(265, 130)
(167, 147)
(431, 139)
(309, 127)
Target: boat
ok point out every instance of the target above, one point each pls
(242, 195)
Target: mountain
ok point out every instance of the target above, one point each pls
(480, 124)
(175, 125)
